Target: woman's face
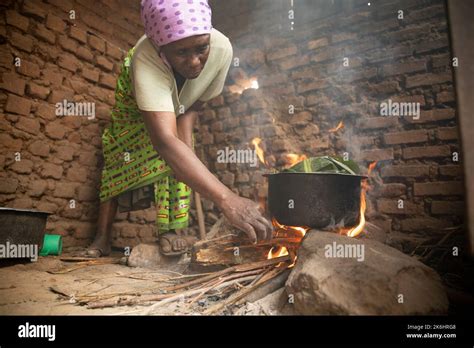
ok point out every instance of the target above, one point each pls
(188, 56)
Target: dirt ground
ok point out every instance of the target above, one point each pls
(25, 287)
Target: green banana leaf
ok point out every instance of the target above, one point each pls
(324, 164)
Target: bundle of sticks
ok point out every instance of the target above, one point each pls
(241, 269)
(235, 282)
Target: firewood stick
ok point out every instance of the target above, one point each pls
(282, 241)
(236, 268)
(200, 214)
(193, 292)
(237, 296)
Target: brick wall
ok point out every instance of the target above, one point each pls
(405, 60)
(77, 59)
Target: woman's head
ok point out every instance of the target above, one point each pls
(181, 28)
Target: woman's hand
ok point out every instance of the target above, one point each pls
(246, 216)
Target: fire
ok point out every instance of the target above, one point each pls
(339, 126)
(371, 167)
(254, 84)
(281, 230)
(355, 231)
(291, 159)
(256, 143)
(279, 251)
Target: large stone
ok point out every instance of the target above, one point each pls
(379, 281)
(148, 255)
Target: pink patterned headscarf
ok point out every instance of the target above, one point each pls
(167, 21)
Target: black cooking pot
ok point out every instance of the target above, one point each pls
(315, 200)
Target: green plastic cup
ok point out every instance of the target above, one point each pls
(52, 245)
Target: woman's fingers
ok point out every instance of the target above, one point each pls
(250, 231)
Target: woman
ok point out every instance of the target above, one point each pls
(178, 65)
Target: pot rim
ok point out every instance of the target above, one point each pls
(24, 210)
(300, 173)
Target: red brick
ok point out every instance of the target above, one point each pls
(427, 152)
(29, 69)
(113, 51)
(8, 185)
(440, 188)
(24, 166)
(18, 105)
(90, 75)
(377, 122)
(409, 99)
(55, 23)
(429, 79)
(12, 83)
(67, 44)
(87, 193)
(15, 19)
(39, 148)
(342, 37)
(65, 190)
(444, 97)
(405, 171)
(104, 63)
(433, 116)
(108, 81)
(84, 53)
(78, 34)
(44, 34)
(447, 133)
(60, 95)
(293, 62)
(441, 60)
(377, 155)
(65, 153)
(390, 190)
(22, 42)
(311, 86)
(450, 170)
(448, 208)
(424, 223)
(314, 44)
(10, 143)
(52, 77)
(37, 91)
(46, 111)
(96, 43)
(406, 137)
(403, 68)
(49, 170)
(390, 206)
(282, 52)
(55, 130)
(79, 86)
(386, 87)
(32, 8)
(77, 173)
(29, 125)
(68, 62)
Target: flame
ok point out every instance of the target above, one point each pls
(254, 84)
(339, 126)
(355, 231)
(279, 251)
(278, 226)
(256, 143)
(371, 167)
(291, 159)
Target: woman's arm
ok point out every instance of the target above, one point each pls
(185, 123)
(241, 212)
